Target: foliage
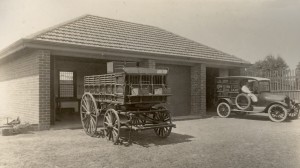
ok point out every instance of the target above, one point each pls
(298, 66)
(269, 64)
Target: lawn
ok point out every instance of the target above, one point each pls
(212, 142)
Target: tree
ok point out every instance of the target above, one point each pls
(298, 75)
(269, 64)
(298, 66)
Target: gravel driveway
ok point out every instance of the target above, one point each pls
(211, 142)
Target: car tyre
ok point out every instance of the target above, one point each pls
(277, 113)
(223, 110)
(293, 114)
(242, 96)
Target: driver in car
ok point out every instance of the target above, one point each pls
(245, 89)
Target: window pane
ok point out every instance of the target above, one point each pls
(66, 84)
(264, 86)
(67, 76)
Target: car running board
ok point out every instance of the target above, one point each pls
(255, 110)
(236, 110)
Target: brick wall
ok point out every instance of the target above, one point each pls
(147, 63)
(198, 89)
(25, 88)
(236, 71)
(19, 88)
(44, 88)
(223, 72)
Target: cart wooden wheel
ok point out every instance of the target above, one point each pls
(223, 109)
(138, 120)
(242, 101)
(111, 125)
(163, 117)
(89, 114)
(277, 113)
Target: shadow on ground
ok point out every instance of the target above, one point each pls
(148, 138)
(255, 116)
(251, 117)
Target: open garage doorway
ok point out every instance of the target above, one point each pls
(211, 74)
(68, 87)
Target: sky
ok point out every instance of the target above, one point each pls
(249, 29)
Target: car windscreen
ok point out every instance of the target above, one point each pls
(264, 86)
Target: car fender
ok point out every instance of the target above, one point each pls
(226, 100)
(277, 102)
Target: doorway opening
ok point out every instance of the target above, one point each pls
(211, 74)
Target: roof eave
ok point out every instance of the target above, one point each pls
(55, 46)
(14, 47)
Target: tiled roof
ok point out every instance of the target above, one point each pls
(115, 34)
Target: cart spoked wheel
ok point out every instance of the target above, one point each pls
(138, 120)
(89, 114)
(293, 114)
(223, 109)
(277, 113)
(111, 125)
(163, 117)
(242, 101)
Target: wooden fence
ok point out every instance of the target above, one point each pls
(282, 82)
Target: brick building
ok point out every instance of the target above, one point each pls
(38, 71)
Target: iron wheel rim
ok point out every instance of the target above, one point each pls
(163, 117)
(89, 114)
(111, 123)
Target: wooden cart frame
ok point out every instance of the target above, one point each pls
(133, 99)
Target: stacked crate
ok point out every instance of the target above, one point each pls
(134, 86)
(147, 88)
(106, 88)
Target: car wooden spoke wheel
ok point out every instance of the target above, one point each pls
(163, 117)
(111, 125)
(223, 110)
(89, 114)
(293, 114)
(242, 101)
(277, 113)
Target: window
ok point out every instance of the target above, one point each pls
(264, 86)
(67, 88)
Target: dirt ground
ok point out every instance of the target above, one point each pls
(253, 141)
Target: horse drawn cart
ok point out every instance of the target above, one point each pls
(133, 99)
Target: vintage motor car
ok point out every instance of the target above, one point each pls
(231, 99)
